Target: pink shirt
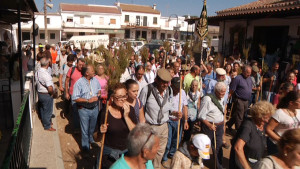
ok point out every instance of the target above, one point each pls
(103, 84)
(75, 76)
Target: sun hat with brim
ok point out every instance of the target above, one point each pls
(220, 71)
(255, 68)
(164, 75)
(203, 144)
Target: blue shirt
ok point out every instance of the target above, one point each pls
(210, 89)
(242, 87)
(85, 89)
(122, 164)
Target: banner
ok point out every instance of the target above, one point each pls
(202, 25)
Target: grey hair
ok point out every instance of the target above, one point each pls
(195, 81)
(139, 138)
(220, 86)
(44, 62)
(246, 67)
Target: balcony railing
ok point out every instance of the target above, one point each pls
(17, 155)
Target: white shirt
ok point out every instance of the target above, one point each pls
(62, 60)
(44, 80)
(154, 69)
(150, 76)
(64, 71)
(209, 111)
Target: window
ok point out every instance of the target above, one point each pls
(69, 19)
(48, 20)
(138, 20)
(215, 37)
(155, 20)
(82, 20)
(153, 35)
(169, 36)
(112, 21)
(42, 35)
(126, 18)
(81, 33)
(101, 21)
(167, 24)
(127, 33)
(52, 35)
(69, 35)
(25, 36)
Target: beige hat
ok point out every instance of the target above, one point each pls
(255, 68)
(52, 45)
(211, 59)
(220, 71)
(164, 75)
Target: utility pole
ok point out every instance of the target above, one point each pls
(45, 19)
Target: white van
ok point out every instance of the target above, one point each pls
(89, 40)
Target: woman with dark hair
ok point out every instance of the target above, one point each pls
(289, 150)
(121, 120)
(132, 88)
(286, 117)
(285, 88)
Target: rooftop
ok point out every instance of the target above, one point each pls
(261, 6)
(138, 8)
(89, 8)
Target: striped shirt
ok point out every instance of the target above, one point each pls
(85, 89)
(44, 80)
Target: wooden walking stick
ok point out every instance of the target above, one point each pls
(231, 110)
(260, 88)
(271, 85)
(103, 135)
(215, 142)
(179, 109)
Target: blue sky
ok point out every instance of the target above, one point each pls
(166, 7)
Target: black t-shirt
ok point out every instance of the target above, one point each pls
(255, 144)
(266, 86)
(117, 131)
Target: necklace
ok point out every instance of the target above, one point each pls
(295, 119)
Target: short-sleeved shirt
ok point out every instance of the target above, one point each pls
(117, 131)
(122, 164)
(86, 89)
(64, 71)
(176, 103)
(62, 59)
(103, 84)
(242, 87)
(210, 112)
(75, 76)
(152, 108)
(255, 143)
(188, 82)
(286, 122)
(44, 80)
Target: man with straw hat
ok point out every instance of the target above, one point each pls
(158, 105)
(211, 115)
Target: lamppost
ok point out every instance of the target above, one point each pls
(45, 18)
(175, 28)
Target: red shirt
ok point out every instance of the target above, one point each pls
(75, 76)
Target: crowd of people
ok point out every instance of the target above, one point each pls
(153, 112)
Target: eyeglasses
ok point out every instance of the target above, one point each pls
(121, 97)
(147, 139)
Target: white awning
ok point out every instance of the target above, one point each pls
(79, 30)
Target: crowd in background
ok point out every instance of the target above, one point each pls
(170, 93)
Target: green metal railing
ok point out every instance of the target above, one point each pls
(17, 155)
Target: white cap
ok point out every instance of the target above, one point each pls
(220, 71)
(203, 144)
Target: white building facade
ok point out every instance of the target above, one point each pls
(53, 27)
(78, 19)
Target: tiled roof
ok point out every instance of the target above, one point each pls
(261, 6)
(138, 8)
(89, 8)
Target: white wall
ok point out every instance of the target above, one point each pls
(132, 18)
(91, 20)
